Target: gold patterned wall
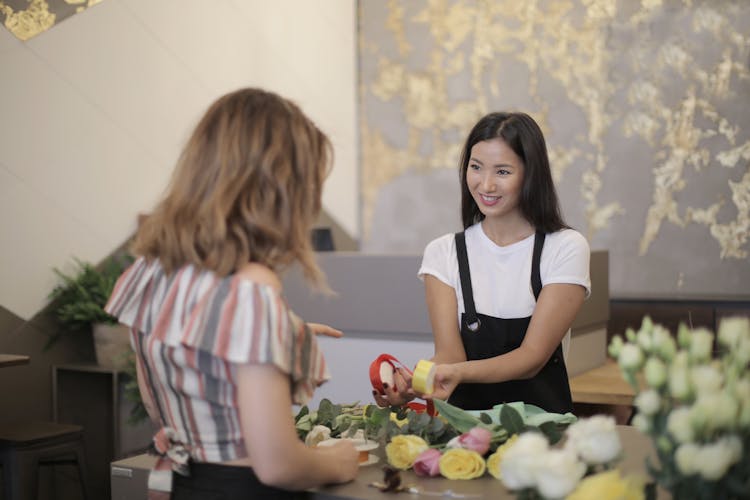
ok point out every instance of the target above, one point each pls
(28, 18)
(645, 106)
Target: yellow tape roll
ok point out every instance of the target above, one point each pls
(423, 379)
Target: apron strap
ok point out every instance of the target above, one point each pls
(536, 279)
(470, 312)
(471, 319)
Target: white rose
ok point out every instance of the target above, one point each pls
(631, 357)
(701, 344)
(686, 457)
(678, 424)
(595, 439)
(655, 371)
(518, 462)
(706, 379)
(557, 473)
(317, 434)
(648, 402)
(731, 330)
(715, 459)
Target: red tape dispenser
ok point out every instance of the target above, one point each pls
(382, 371)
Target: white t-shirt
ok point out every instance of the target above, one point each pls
(501, 276)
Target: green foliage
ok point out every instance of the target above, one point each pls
(132, 392)
(382, 424)
(79, 299)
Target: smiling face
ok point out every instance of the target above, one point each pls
(494, 177)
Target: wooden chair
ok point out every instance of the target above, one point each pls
(26, 446)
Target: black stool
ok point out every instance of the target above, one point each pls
(25, 446)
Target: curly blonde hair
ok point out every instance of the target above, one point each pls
(246, 188)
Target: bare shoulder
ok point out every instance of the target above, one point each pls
(258, 273)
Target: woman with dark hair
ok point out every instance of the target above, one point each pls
(503, 293)
(220, 356)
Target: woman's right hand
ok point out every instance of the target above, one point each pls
(397, 394)
(344, 458)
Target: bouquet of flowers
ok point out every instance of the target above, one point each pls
(694, 403)
(452, 444)
(582, 469)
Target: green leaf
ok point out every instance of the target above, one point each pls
(458, 418)
(511, 420)
(486, 419)
(552, 431)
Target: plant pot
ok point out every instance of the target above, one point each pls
(111, 344)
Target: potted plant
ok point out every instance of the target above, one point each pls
(78, 303)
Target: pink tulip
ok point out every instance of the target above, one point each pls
(477, 439)
(427, 463)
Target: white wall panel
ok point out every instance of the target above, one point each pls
(96, 109)
(38, 236)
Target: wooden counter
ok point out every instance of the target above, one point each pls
(602, 385)
(129, 477)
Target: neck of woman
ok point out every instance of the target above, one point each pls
(507, 231)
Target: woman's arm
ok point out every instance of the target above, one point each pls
(555, 311)
(278, 456)
(442, 307)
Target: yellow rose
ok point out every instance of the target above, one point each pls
(609, 485)
(460, 463)
(493, 461)
(403, 450)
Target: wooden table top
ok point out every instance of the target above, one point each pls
(13, 360)
(636, 447)
(602, 385)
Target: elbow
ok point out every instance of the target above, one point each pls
(277, 475)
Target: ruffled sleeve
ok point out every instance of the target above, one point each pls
(232, 318)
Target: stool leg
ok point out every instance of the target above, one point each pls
(83, 472)
(21, 476)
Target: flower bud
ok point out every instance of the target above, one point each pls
(706, 379)
(630, 335)
(701, 345)
(664, 344)
(683, 336)
(642, 423)
(631, 357)
(715, 459)
(656, 372)
(679, 425)
(648, 402)
(615, 346)
(644, 340)
(732, 330)
(686, 457)
(679, 382)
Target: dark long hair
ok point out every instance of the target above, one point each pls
(538, 197)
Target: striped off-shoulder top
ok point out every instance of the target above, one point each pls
(190, 330)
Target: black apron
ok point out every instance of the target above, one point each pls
(486, 337)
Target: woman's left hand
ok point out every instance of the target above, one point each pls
(328, 331)
(447, 377)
